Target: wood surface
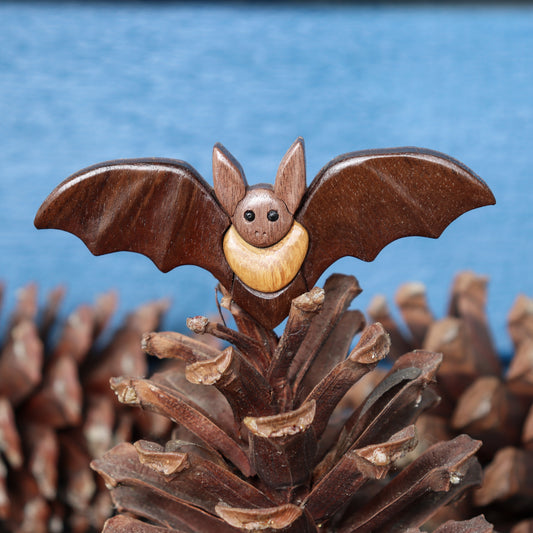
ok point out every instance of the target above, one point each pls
(267, 269)
(356, 205)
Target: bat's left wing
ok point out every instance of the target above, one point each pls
(161, 208)
(361, 201)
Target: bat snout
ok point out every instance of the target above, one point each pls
(261, 218)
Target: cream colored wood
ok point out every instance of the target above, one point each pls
(267, 269)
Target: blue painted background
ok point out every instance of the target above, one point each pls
(84, 83)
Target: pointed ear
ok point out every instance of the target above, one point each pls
(290, 179)
(229, 180)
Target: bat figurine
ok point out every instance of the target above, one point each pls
(265, 244)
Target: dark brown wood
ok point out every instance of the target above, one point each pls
(261, 231)
(228, 178)
(157, 207)
(356, 205)
(290, 179)
(361, 201)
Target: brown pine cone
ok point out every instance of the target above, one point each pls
(56, 412)
(262, 443)
(479, 396)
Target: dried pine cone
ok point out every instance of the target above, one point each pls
(478, 397)
(261, 443)
(56, 412)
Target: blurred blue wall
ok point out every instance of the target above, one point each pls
(84, 83)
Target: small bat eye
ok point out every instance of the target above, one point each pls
(273, 215)
(249, 215)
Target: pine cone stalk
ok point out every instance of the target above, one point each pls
(261, 442)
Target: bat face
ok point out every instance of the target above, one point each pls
(263, 246)
(261, 218)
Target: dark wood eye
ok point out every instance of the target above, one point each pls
(249, 215)
(273, 215)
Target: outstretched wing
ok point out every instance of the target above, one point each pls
(361, 201)
(161, 208)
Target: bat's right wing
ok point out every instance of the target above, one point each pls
(161, 208)
(361, 201)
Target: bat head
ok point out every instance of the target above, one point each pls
(261, 214)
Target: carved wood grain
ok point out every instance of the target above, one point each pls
(356, 205)
(161, 208)
(266, 269)
(361, 201)
(290, 178)
(228, 179)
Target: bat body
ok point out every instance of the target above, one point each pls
(265, 244)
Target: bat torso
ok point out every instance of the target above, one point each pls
(267, 269)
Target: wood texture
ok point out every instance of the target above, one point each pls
(290, 178)
(157, 207)
(267, 269)
(362, 201)
(261, 218)
(356, 205)
(228, 178)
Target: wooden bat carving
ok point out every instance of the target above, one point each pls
(265, 244)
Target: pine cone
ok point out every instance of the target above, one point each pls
(478, 397)
(56, 412)
(262, 443)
